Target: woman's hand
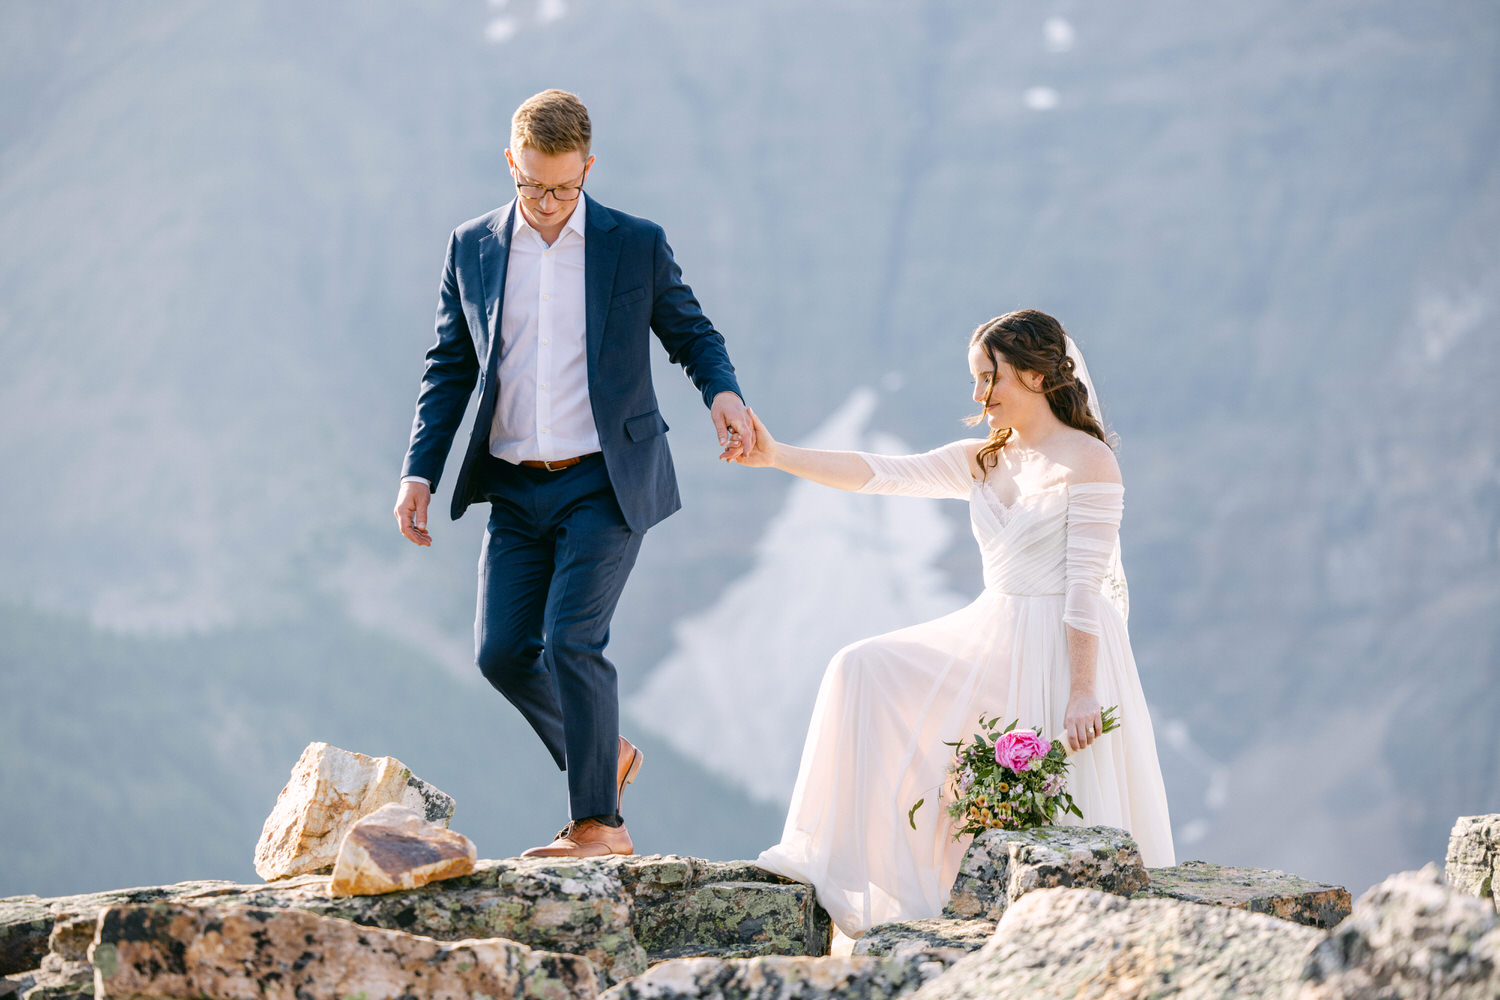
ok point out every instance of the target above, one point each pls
(1083, 723)
(761, 452)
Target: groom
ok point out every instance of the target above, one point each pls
(546, 304)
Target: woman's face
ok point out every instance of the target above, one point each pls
(1000, 390)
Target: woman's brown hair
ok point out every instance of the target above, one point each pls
(1031, 341)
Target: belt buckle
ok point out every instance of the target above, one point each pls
(548, 466)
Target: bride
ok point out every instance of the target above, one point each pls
(1044, 643)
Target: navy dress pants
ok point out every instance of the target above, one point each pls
(556, 556)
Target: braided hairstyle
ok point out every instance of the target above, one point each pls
(1031, 341)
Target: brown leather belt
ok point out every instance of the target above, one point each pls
(559, 465)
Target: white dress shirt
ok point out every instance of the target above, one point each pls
(542, 412)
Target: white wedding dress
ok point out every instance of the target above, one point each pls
(886, 705)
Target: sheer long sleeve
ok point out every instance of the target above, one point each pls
(1094, 511)
(942, 473)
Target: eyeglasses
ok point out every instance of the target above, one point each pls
(535, 192)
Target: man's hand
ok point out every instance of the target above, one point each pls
(732, 421)
(411, 511)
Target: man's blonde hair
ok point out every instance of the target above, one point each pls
(552, 123)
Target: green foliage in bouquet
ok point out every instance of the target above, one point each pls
(1009, 779)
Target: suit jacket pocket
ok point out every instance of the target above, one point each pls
(625, 298)
(647, 425)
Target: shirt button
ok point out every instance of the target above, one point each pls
(546, 298)
(546, 341)
(542, 386)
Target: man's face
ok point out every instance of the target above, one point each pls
(565, 170)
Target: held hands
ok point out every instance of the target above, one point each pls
(761, 452)
(734, 425)
(411, 512)
(1083, 723)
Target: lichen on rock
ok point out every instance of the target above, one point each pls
(1001, 866)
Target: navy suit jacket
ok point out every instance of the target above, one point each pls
(632, 287)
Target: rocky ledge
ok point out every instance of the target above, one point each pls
(1051, 912)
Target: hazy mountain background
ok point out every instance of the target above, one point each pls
(1271, 225)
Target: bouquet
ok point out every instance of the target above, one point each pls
(1009, 779)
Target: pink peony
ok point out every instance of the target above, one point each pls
(1018, 748)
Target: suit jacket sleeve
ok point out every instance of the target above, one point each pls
(690, 339)
(447, 381)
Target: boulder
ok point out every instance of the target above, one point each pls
(1001, 866)
(26, 922)
(394, 848)
(1473, 864)
(1086, 943)
(236, 952)
(688, 906)
(328, 791)
(65, 972)
(1412, 936)
(1277, 894)
(775, 978)
(570, 906)
(941, 939)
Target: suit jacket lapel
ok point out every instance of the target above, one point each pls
(601, 252)
(494, 256)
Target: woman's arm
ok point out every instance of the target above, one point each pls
(843, 470)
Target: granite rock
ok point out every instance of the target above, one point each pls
(65, 972)
(1086, 943)
(26, 922)
(1473, 863)
(394, 848)
(1277, 894)
(1413, 937)
(688, 906)
(236, 952)
(328, 791)
(776, 978)
(569, 906)
(1001, 866)
(940, 939)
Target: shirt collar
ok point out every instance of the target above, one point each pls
(575, 221)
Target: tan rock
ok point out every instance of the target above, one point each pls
(328, 792)
(172, 950)
(1084, 943)
(1411, 936)
(394, 848)
(1474, 857)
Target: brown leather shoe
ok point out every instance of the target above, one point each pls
(631, 760)
(586, 839)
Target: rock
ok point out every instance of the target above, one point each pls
(574, 907)
(688, 906)
(26, 921)
(1277, 894)
(232, 952)
(1473, 864)
(775, 978)
(1003, 865)
(1411, 936)
(394, 848)
(942, 939)
(1085, 943)
(65, 973)
(328, 791)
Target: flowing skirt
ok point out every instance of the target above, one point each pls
(875, 746)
